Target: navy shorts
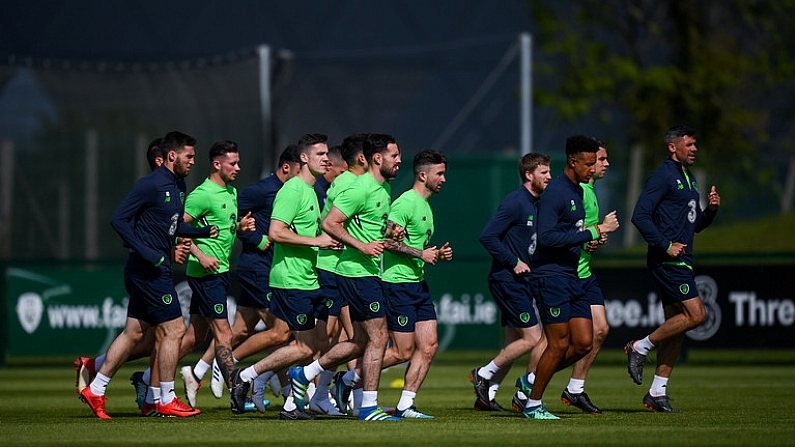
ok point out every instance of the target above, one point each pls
(560, 298)
(676, 283)
(254, 289)
(297, 308)
(152, 295)
(408, 303)
(593, 293)
(515, 300)
(365, 297)
(330, 292)
(209, 295)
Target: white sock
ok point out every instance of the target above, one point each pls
(147, 376)
(200, 369)
(155, 395)
(576, 386)
(493, 387)
(488, 371)
(248, 374)
(167, 393)
(99, 361)
(289, 404)
(99, 384)
(369, 399)
(659, 386)
(234, 360)
(406, 400)
(150, 395)
(313, 369)
(643, 346)
(532, 403)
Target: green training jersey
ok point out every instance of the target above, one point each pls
(591, 218)
(294, 265)
(412, 212)
(327, 259)
(366, 204)
(213, 204)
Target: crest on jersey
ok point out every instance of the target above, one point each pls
(684, 288)
(374, 307)
(301, 319)
(219, 308)
(403, 320)
(167, 299)
(554, 311)
(524, 317)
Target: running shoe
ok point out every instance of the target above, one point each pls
(342, 392)
(412, 413)
(580, 401)
(239, 393)
(634, 362)
(97, 403)
(524, 385)
(149, 410)
(176, 408)
(192, 384)
(517, 403)
(299, 384)
(660, 403)
(375, 413)
(86, 371)
(324, 406)
(481, 386)
(296, 415)
(137, 381)
(251, 407)
(491, 406)
(217, 383)
(539, 412)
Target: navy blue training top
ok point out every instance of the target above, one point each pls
(149, 218)
(510, 235)
(321, 188)
(257, 198)
(561, 220)
(668, 210)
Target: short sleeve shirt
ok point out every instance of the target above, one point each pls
(366, 204)
(327, 259)
(294, 266)
(213, 204)
(591, 218)
(412, 212)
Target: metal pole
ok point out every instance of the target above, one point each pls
(265, 99)
(6, 197)
(92, 182)
(526, 102)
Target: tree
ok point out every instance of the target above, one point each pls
(724, 67)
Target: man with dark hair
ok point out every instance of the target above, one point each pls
(359, 219)
(214, 203)
(554, 281)
(154, 157)
(336, 166)
(339, 325)
(668, 214)
(510, 238)
(147, 220)
(575, 394)
(253, 271)
(411, 316)
(295, 231)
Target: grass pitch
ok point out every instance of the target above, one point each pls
(727, 398)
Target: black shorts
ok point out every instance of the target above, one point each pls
(408, 303)
(152, 295)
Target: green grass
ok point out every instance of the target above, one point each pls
(725, 401)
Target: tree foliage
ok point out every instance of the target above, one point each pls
(724, 67)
